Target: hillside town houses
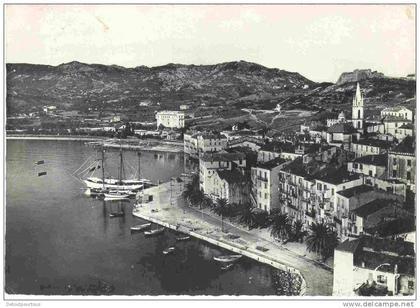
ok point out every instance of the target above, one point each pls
(356, 179)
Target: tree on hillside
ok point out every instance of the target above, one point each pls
(321, 240)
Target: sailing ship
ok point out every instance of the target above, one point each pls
(114, 188)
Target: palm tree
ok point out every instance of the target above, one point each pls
(297, 231)
(322, 240)
(247, 216)
(280, 226)
(221, 208)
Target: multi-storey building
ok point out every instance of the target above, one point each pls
(213, 162)
(196, 144)
(402, 162)
(365, 147)
(170, 119)
(265, 183)
(231, 185)
(370, 165)
(398, 111)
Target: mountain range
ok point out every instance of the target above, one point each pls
(238, 84)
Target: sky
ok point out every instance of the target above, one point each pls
(318, 41)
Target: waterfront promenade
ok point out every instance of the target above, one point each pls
(170, 210)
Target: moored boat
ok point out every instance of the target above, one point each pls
(228, 258)
(183, 238)
(140, 227)
(154, 232)
(169, 250)
(116, 214)
(116, 195)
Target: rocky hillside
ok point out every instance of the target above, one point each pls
(358, 75)
(235, 85)
(76, 85)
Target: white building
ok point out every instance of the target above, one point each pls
(196, 144)
(398, 111)
(365, 147)
(170, 119)
(231, 185)
(372, 266)
(213, 162)
(265, 184)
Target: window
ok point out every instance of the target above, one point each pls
(409, 162)
(370, 172)
(381, 279)
(408, 175)
(265, 185)
(265, 196)
(394, 173)
(332, 192)
(394, 161)
(358, 116)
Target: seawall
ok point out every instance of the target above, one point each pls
(234, 247)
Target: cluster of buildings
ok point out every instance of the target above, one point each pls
(358, 177)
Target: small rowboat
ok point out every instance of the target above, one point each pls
(154, 232)
(168, 251)
(228, 258)
(183, 238)
(140, 227)
(116, 214)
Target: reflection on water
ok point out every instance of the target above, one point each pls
(58, 241)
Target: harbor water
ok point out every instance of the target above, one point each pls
(59, 241)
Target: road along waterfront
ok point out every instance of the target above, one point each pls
(169, 209)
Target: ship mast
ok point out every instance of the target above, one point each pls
(138, 155)
(103, 170)
(120, 175)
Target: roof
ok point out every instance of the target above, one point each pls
(407, 126)
(371, 207)
(231, 176)
(406, 146)
(371, 252)
(335, 175)
(222, 156)
(395, 109)
(345, 128)
(375, 160)
(393, 227)
(210, 136)
(348, 246)
(271, 163)
(354, 191)
(279, 147)
(170, 112)
(374, 143)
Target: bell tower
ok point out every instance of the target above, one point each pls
(357, 109)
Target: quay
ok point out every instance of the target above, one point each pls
(168, 209)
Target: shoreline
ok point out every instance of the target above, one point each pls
(158, 146)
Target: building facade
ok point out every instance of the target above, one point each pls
(170, 119)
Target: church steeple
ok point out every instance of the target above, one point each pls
(358, 109)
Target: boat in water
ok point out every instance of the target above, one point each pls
(100, 185)
(169, 250)
(183, 238)
(140, 227)
(154, 232)
(228, 258)
(115, 195)
(116, 214)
